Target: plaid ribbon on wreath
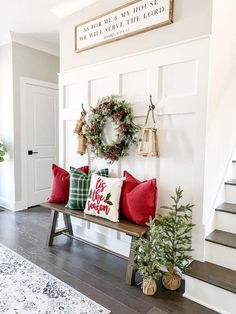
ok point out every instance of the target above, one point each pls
(79, 187)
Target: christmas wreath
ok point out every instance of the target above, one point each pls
(119, 111)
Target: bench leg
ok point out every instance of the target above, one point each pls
(68, 224)
(53, 232)
(130, 273)
(52, 229)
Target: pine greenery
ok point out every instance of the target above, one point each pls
(174, 233)
(167, 244)
(147, 262)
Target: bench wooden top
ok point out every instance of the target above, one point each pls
(123, 226)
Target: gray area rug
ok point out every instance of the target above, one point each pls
(26, 288)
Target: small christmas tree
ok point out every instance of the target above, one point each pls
(174, 233)
(147, 260)
(166, 245)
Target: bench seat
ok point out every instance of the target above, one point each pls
(125, 226)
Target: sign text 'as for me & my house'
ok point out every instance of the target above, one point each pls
(134, 18)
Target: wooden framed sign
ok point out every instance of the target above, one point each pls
(133, 18)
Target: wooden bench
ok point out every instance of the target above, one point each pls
(125, 226)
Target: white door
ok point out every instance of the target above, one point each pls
(42, 140)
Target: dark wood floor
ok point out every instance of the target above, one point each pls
(97, 274)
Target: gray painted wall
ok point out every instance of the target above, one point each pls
(6, 123)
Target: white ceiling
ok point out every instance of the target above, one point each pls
(37, 18)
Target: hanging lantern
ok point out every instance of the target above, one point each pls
(79, 130)
(148, 138)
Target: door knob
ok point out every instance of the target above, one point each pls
(30, 152)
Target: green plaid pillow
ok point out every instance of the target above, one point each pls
(79, 187)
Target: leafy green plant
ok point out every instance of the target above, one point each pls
(2, 152)
(174, 233)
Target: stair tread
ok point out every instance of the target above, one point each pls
(227, 208)
(223, 238)
(231, 182)
(213, 274)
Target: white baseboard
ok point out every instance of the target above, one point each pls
(20, 205)
(12, 205)
(8, 204)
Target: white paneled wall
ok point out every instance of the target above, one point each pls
(98, 88)
(177, 78)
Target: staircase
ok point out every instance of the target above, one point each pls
(213, 283)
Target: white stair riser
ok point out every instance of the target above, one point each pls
(225, 222)
(230, 193)
(220, 255)
(215, 298)
(234, 170)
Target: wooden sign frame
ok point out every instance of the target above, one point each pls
(81, 30)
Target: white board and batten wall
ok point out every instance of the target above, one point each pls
(176, 76)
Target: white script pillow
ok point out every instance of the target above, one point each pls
(104, 197)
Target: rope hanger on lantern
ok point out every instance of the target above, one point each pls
(148, 138)
(80, 130)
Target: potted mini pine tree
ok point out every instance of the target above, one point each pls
(147, 260)
(166, 247)
(175, 239)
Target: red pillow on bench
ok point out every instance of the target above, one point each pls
(61, 184)
(138, 199)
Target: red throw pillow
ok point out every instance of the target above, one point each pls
(138, 199)
(61, 184)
